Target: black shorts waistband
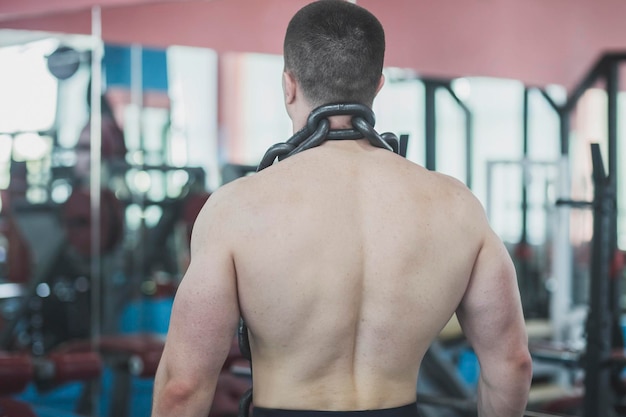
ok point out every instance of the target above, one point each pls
(409, 410)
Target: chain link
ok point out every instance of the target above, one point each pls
(317, 130)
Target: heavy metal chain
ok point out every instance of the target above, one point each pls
(317, 130)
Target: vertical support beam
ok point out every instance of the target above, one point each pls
(95, 180)
(598, 400)
(612, 91)
(525, 134)
(523, 253)
(469, 148)
(564, 119)
(430, 125)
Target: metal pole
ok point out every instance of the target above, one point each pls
(95, 179)
(430, 125)
(612, 91)
(564, 118)
(525, 122)
(525, 278)
(598, 398)
(469, 148)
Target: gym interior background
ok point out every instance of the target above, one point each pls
(179, 97)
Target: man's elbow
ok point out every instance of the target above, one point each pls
(178, 391)
(522, 365)
(175, 396)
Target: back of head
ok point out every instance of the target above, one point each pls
(335, 50)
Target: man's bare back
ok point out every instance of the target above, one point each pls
(345, 261)
(350, 260)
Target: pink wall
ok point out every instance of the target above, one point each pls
(15, 9)
(537, 41)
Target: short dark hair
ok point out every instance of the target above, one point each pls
(335, 50)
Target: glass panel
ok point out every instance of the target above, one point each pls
(589, 126)
(43, 107)
(166, 104)
(544, 129)
(193, 132)
(399, 108)
(497, 108)
(159, 160)
(28, 91)
(253, 106)
(543, 153)
(451, 140)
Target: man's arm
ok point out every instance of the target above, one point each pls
(203, 322)
(492, 320)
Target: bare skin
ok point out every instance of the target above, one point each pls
(346, 261)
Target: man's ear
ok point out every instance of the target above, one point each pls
(289, 87)
(380, 83)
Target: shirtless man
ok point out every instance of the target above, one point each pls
(345, 261)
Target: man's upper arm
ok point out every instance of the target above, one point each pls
(206, 310)
(490, 313)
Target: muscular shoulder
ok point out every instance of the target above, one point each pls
(462, 221)
(456, 194)
(217, 217)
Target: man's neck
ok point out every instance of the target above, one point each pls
(340, 122)
(336, 123)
